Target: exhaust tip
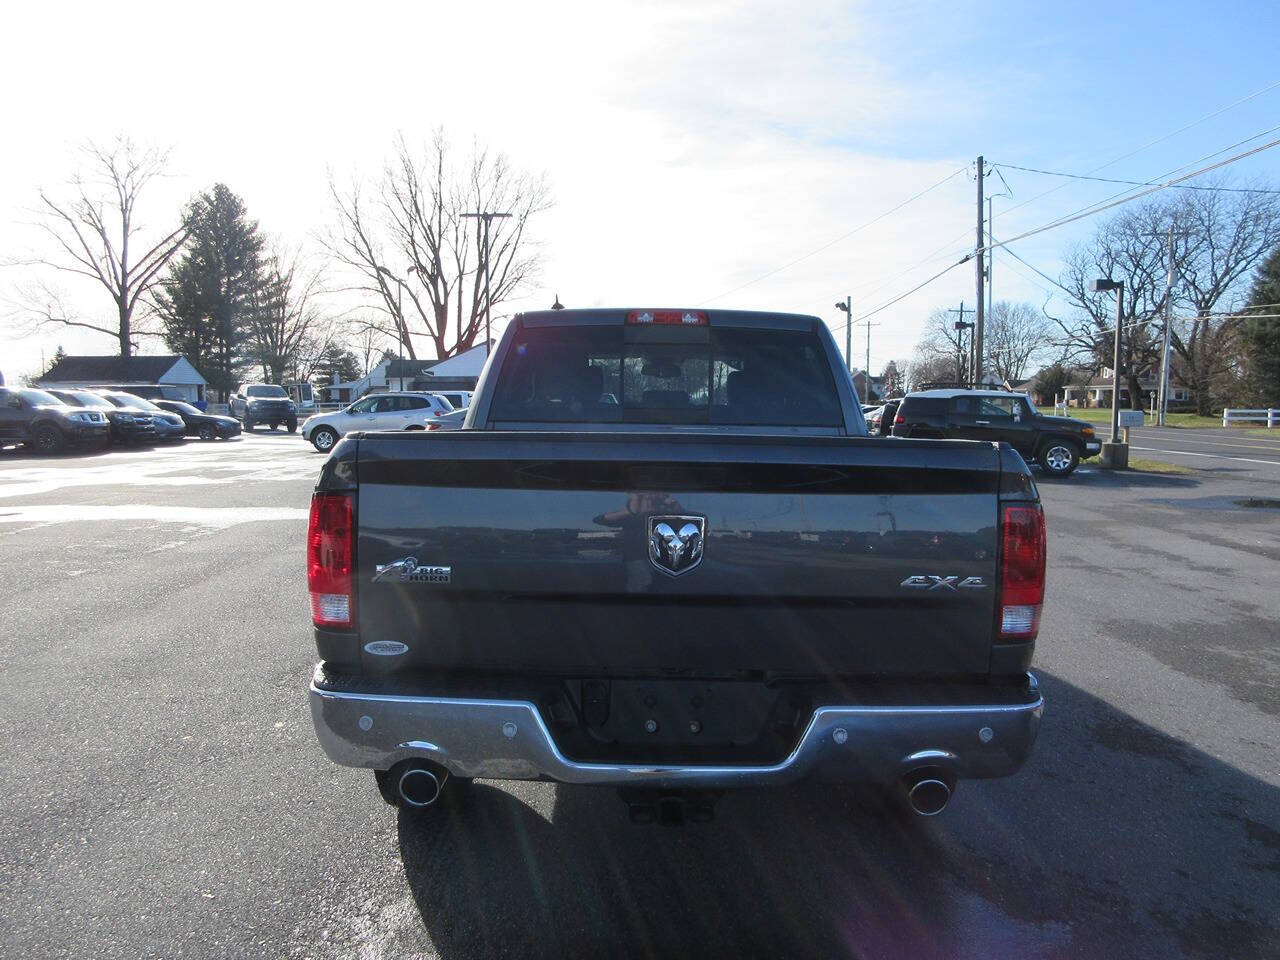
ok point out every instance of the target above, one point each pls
(419, 787)
(929, 797)
(929, 790)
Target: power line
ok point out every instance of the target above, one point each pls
(1152, 143)
(839, 239)
(1132, 183)
(920, 286)
(1081, 214)
(926, 259)
(1031, 280)
(1111, 202)
(1037, 270)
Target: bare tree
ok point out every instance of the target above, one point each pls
(1220, 238)
(1015, 334)
(368, 340)
(940, 353)
(419, 260)
(98, 234)
(289, 331)
(1128, 247)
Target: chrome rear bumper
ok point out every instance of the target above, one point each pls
(507, 740)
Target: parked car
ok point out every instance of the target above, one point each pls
(41, 421)
(872, 417)
(450, 421)
(206, 426)
(148, 391)
(458, 399)
(169, 426)
(128, 425)
(402, 410)
(680, 593)
(268, 403)
(1056, 443)
(880, 420)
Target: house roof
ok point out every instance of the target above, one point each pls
(1145, 381)
(404, 369)
(138, 369)
(948, 392)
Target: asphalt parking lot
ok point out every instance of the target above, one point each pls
(165, 796)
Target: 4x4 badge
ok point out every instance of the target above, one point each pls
(930, 582)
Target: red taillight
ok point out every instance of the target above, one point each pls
(436, 413)
(1022, 561)
(899, 419)
(330, 554)
(687, 318)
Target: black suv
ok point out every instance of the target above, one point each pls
(267, 403)
(43, 422)
(128, 424)
(1056, 443)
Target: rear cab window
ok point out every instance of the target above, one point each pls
(679, 375)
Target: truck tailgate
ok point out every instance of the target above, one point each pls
(842, 556)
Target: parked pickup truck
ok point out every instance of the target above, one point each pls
(662, 554)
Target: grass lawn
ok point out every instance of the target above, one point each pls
(1103, 415)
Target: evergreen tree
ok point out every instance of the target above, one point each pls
(207, 299)
(338, 360)
(1260, 335)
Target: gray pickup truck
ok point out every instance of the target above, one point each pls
(662, 554)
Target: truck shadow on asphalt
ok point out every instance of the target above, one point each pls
(1097, 478)
(1115, 840)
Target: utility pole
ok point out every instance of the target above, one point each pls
(1168, 322)
(991, 255)
(868, 367)
(485, 217)
(979, 264)
(962, 367)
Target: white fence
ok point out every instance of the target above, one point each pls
(1271, 417)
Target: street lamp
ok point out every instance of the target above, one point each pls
(846, 307)
(1114, 453)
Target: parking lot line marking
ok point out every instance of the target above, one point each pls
(1266, 442)
(1211, 456)
(218, 518)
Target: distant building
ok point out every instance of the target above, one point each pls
(1097, 392)
(458, 372)
(168, 369)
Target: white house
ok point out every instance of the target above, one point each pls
(397, 374)
(469, 363)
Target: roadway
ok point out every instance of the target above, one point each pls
(1252, 452)
(164, 795)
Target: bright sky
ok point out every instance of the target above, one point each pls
(692, 149)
